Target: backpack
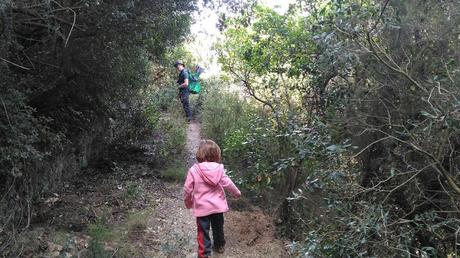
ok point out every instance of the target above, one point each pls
(194, 85)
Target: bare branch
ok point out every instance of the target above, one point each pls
(393, 68)
(17, 65)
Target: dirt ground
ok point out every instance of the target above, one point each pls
(130, 211)
(248, 233)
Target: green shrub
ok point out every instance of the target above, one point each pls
(367, 116)
(166, 117)
(257, 154)
(132, 191)
(222, 111)
(71, 87)
(175, 171)
(171, 133)
(98, 232)
(164, 99)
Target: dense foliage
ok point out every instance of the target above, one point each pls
(71, 74)
(348, 125)
(358, 123)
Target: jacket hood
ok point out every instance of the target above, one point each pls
(210, 172)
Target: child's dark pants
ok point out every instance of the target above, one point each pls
(216, 221)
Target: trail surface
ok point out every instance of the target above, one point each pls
(122, 208)
(249, 233)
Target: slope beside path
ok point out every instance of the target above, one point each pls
(122, 208)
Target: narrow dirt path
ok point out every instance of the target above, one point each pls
(249, 233)
(173, 225)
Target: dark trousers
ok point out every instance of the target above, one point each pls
(184, 96)
(216, 222)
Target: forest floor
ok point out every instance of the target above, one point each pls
(128, 210)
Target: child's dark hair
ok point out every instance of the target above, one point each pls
(208, 151)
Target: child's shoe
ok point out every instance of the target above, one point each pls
(219, 250)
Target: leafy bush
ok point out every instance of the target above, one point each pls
(362, 110)
(260, 156)
(171, 133)
(223, 110)
(175, 172)
(132, 191)
(165, 115)
(72, 78)
(99, 232)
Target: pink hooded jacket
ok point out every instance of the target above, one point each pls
(204, 189)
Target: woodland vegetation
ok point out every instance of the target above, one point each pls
(341, 116)
(352, 114)
(72, 77)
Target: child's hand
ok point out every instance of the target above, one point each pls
(188, 203)
(237, 195)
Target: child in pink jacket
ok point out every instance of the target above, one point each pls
(204, 193)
